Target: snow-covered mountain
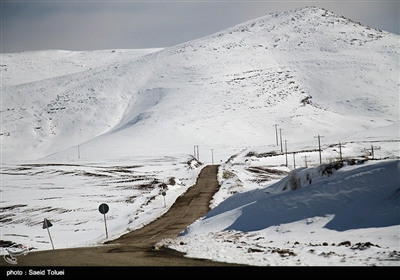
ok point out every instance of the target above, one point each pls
(119, 126)
(309, 70)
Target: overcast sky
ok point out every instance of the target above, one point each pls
(92, 25)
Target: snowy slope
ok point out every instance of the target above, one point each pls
(308, 70)
(119, 126)
(323, 190)
(336, 216)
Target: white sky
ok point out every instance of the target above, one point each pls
(90, 25)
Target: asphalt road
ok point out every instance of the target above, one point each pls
(137, 247)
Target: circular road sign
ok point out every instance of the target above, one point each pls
(103, 208)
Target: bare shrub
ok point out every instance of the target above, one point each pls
(228, 174)
(293, 182)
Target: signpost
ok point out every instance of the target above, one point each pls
(164, 194)
(47, 224)
(103, 209)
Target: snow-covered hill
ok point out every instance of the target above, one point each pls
(122, 126)
(308, 70)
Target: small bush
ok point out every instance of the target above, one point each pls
(228, 174)
(294, 182)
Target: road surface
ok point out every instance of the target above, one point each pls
(137, 247)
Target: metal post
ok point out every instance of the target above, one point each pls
(105, 223)
(51, 240)
(47, 224)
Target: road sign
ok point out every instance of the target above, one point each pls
(103, 208)
(47, 224)
(164, 194)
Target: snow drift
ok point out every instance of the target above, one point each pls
(358, 196)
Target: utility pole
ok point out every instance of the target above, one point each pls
(372, 151)
(319, 146)
(196, 152)
(286, 152)
(276, 132)
(79, 153)
(340, 152)
(212, 156)
(294, 160)
(305, 159)
(280, 130)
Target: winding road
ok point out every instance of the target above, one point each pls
(137, 247)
